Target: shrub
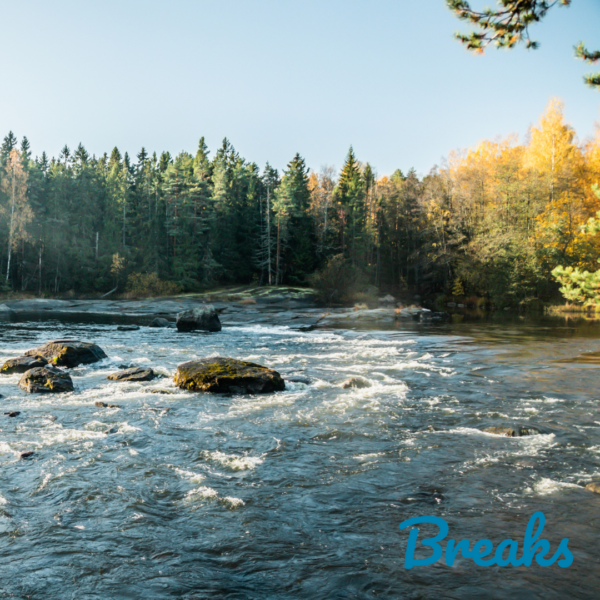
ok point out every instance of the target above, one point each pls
(149, 284)
(338, 281)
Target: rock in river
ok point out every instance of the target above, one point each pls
(227, 375)
(133, 374)
(355, 382)
(69, 353)
(22, 364)
(593, 487)
(46, 379)
(513, 431)
(203, 318)
(159, 322)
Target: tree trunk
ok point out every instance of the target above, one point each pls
(10, 230)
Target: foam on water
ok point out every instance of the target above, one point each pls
(233, 462)
(238, 494)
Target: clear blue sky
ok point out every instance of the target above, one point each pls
(279, 77)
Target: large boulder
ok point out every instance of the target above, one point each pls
(133, 374)
(204, 318)
(22, 364)
(227, 375)
(46, 379)
(69, 353)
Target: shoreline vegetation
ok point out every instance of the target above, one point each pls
(504, 224)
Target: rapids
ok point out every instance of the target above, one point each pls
(299, 494)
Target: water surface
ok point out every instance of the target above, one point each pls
(299, 494)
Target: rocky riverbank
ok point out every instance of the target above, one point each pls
(300, 313)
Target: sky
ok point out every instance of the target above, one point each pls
(278, 77)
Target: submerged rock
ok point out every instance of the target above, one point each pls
(69, 353)
(505, 431)
(22, 364)
(227, 375)
(14, 413)
(593, 487)
(27, 454)
(46, 379)
(161, 391)
(133, 374)
(298, 379)
(355, 382)
(204, 318)
(513, 431)
(104, 405)
(529, 431)
(160, 322)
(127, 328)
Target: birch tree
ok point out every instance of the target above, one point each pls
(14, 186)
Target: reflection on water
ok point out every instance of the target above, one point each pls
(300, 494)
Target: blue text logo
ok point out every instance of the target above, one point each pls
(505, 554)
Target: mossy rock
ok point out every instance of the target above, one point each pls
(42, 380)
(69, 353)
(133, 374)
(22, 364)
(227, 375)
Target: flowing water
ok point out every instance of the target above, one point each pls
(299, 494)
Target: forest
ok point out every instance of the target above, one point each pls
(492, 222)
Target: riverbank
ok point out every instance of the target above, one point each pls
(296, 308)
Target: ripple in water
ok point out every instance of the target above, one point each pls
(298, 494)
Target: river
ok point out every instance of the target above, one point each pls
(299, 494)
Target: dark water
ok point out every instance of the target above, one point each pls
(299, 494)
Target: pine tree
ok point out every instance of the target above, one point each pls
(9, 144)
(25, 151)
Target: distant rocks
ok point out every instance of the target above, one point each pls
(48, 379)
(160, 322)
(387, 300)
(69, 353)
(513, 431)
(227, 375)
(355, 382)
(386, 315)
(204, 318)
(133, 374)
(22, 364)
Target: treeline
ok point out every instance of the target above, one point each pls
(494, 222)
